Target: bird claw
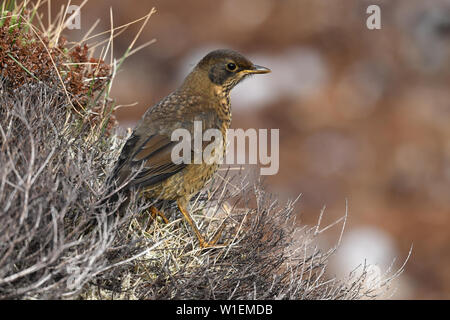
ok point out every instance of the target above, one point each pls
(204, 244)
(155, 212)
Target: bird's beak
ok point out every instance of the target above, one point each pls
(258, 69)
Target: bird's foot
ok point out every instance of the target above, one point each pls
(213, 242)
(155, 212)
(202, 242)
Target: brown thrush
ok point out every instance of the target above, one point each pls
(204, 96)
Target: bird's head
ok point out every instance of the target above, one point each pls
(225, 68)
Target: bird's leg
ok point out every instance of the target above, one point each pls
(203, 243)
(155, 212)
(217, 234)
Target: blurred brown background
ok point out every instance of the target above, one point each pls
(363, 114)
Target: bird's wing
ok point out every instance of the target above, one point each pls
(149, 149)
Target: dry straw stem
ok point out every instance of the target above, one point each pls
(265, 256)
(52, 164)
(56, 240)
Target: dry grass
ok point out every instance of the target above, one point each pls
(57, 144)
(265, 256)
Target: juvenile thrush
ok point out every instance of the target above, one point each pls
(203, 96)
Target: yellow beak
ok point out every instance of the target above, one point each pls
(257, 69)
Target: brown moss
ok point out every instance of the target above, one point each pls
(28, 57)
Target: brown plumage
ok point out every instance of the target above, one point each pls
(204, 96)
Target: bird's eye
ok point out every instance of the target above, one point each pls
(231, 66)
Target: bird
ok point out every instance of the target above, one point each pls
(145, 161)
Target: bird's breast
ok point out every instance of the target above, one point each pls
(223, 106)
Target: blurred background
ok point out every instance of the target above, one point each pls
(363, 114)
